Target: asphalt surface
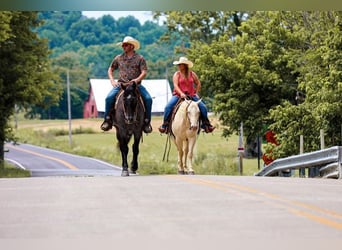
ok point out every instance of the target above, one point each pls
(48, 162)
(193, 212)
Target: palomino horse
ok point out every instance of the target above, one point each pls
(184, 130)
(128, 121)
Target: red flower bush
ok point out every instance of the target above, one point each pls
(270, 138)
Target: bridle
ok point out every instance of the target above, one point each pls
(131, 100)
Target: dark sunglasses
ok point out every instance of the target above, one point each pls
(125, 44)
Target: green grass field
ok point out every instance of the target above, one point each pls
(213, 153)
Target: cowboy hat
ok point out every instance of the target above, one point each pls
(130, 40)
(184, 60)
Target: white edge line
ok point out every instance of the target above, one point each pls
(74, 155)
(15, 163)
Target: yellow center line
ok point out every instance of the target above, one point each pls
(67, 164)
(288, 204)
(318, 219)
(296, 203)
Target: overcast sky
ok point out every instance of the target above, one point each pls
(142, 16)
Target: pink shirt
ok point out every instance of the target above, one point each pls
(187, 86)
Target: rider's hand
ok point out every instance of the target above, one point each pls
(182, 95)
(114, 83)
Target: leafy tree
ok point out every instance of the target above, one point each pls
(125, 23)
(320, 67)
(203, 26)
(254, 77)
(25, 76)
(249, 74)
(69, 62)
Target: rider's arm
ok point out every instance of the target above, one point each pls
(197, 82)
(111, 76)
(140, 77)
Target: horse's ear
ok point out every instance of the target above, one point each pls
(187, 100)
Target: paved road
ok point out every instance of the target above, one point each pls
(47, 162)
(171, 208)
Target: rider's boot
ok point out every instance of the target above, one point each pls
(164, 128)
(107, 124)
(208, 128)
(147, 126)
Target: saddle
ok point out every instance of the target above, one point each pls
(174, 111)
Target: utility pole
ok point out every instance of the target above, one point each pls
(69, 109)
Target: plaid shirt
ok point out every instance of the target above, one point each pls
(129, 68)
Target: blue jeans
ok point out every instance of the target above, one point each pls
(174, 99)
(110, 100)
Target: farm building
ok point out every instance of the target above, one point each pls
(94, 106)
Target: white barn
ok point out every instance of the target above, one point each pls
(94, 106)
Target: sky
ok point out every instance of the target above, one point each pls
(142, 16)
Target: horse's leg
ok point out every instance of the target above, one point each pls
(135, 149)
(123, 144)
(185, 155)
(191, 146)
(179, 145)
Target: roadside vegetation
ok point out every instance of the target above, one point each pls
(10, 171)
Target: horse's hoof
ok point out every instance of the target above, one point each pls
(181, 172)
(125, 173)
(191, 173)
(133, 172)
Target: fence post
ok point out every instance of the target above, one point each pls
(241, 149)
(321, 135)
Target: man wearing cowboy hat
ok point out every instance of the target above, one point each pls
(186, 84)
(131, 68)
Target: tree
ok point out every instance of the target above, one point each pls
(254, 77)
(277, 54)
(78, 76)
(25, 76)
(320, 70)
(250, 74)
(203, 26)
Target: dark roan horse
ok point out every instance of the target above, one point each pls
(129, 121)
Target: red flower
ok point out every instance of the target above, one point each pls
(270, 137)
(267, 158)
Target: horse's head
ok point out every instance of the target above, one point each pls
(130, 100)
(193, 113)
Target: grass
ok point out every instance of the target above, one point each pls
(213, 154)
(10, 171)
